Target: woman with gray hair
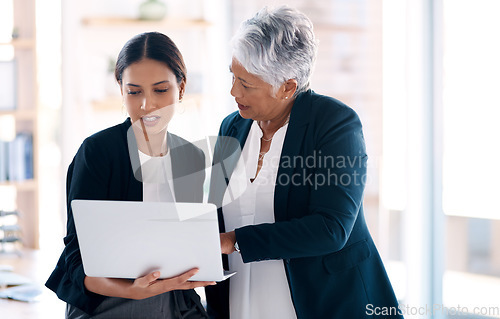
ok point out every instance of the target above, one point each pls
(288, 178)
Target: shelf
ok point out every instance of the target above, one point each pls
(10, 228)
(10, 240)
(26, 185)
(171, 23)
(4, 213)
(20, 114)
(20, 43)
(22, 195)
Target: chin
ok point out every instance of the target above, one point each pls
(157, 129)
(245, 115)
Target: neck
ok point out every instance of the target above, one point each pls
(271, 126)
(151, 144)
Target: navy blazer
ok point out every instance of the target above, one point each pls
(102, 170)
(330, 260)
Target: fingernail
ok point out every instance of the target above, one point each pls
(156, 274)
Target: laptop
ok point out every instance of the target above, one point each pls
(122, 239)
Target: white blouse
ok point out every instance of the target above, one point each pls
(157, 179)
(258, 289)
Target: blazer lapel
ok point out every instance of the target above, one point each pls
(178, 161)
(241, 135)
(226, 155)
(135, 176)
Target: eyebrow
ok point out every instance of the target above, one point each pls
(242, 80)
(135, 85)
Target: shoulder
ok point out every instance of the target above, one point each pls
(187, 158)
(327, 112)
(329, 106)
(108, 143)
(109, 137)
(186, 151)
(232, 120)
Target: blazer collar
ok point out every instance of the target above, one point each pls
(300, 110)
(179, 158)
(299, 119)
(134, 185)
(240, 129)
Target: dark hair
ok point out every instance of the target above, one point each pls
(151, 45)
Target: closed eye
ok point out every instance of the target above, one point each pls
(241, 82)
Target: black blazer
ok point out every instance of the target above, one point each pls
(102, 170)
(331, 263)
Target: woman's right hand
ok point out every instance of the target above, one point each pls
(143, 287)
(150, 285)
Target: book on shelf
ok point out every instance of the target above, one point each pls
(4, 160)
(8, 80)
(16, 158)
(4, 213)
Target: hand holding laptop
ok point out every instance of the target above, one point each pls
(143, 287)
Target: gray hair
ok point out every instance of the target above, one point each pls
(277, 45)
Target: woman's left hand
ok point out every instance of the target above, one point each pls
(227, 241)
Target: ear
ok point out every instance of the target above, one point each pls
(182, 88)
(288, 89)
(120, 86)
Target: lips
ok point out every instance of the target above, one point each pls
(242, 107)
(150, 120)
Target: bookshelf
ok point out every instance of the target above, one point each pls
(20, 158)
(168, 23)
(176, 28)
(21, 43)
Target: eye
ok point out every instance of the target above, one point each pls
(241, 82)
(161, 90)
(133, 92)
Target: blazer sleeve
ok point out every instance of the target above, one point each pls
(87, 179)
(333, 199)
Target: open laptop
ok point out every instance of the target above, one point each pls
(121, 239)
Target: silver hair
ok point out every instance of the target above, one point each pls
(277, 45)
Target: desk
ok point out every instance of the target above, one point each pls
(37, 266)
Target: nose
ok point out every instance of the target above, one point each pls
(234, 90)
(148, 104)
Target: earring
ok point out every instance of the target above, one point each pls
(286, 97)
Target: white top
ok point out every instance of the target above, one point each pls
(258, 289)
(157, 178)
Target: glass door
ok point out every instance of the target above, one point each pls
(471, 170)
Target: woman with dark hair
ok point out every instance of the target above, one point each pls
(137, 160)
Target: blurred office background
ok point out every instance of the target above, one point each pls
(421, 74)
